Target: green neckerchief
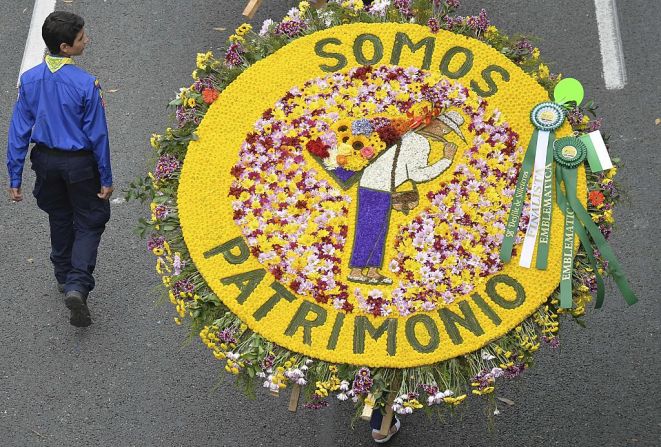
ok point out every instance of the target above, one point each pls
(56, 62)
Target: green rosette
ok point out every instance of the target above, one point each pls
(569, 152)
(547, 116)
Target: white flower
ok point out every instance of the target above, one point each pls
(265, 27)
(302, 381)
(497, 372)
(344, 385)
(379, 7)
(342, 396)
(486, 355)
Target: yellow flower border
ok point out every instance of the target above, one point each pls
(205, 211)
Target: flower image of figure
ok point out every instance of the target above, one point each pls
(406, 161)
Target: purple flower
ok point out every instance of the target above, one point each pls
(290, 28)
(166, 166)
(553, 342)
(201, 84)
(183, 287)
(593, 125)
(233, 56)
(575, 117)
(479, 23)
(524, 45)
(185, 116)
(227, 335)
(161, 212)
(434, 25)
(605, 230)
(404, 7)
(155, 242)
(514, 371)
(316, 403)
(268, 362)
(453, 3)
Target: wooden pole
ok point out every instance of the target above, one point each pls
(251, 8)
(293, 399)
(387, 418)
(368, 408)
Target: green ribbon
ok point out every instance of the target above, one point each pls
(569, 178)
(585, 241)
(518, 199)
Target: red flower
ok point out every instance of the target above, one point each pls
(596, 198)
(209, 95)
(318, 148)
(388, 134)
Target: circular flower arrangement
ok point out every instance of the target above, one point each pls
(330, 206)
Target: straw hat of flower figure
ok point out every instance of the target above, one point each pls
(444, 124)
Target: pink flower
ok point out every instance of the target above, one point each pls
(367, 152)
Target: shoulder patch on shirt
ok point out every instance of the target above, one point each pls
(97, 85)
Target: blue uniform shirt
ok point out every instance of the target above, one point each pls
(60, 106)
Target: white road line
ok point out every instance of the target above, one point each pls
(612, 55)
(35, 46)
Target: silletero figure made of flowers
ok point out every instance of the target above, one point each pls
(407, 160)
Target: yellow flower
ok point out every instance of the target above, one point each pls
(303, 7)
(243, 29)
(535, 53)
(155, 141)
(191, 102)
(543, 71)
(491, 32)
(202, 59)
(236, 39)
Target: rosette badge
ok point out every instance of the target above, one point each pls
(547, 116)
(569, 152)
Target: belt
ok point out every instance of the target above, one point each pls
(61, 152)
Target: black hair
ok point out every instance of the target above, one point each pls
(61, 27)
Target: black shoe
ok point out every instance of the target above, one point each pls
(60, 287)
(76, 302)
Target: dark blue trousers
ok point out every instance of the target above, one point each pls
(66, 188)
(377, 420)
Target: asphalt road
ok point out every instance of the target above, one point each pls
(134, 379)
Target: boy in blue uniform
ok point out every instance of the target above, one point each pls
(61, 110)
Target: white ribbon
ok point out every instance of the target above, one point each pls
(536, 196)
